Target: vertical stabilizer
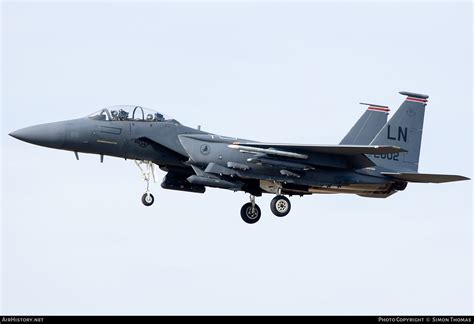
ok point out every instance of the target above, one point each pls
(368, 125)
(405, 130)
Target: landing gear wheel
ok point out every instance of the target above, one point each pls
(148, 199)
(280, 206)
(250, 213)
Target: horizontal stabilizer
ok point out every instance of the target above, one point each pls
(425, 177)
(270, 148)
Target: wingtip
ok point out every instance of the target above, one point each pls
(460, 178)
(402, 150)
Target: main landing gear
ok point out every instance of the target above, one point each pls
(251, 213)
(280, 206)
(148, 173)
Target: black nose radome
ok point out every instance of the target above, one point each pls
(49, 135)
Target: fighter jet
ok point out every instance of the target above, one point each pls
(376, 159)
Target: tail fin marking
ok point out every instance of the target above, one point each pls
(405, 130)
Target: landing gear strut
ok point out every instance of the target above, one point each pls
(148, 173)
(280, 206)
(250, 212)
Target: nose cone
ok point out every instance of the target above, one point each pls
(49, 135)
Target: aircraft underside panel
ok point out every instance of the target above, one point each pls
(273, 187)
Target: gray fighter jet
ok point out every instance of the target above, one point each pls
(375, 159)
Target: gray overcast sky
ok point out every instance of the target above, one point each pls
(75, 237)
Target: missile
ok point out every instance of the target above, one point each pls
(277, 163)
(213, 182)
(269, 151)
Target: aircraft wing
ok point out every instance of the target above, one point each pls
(297, 149)
(338, 156)
(354, 155)
(425, 177)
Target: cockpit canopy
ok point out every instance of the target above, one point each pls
(130, 113)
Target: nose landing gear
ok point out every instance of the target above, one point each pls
(148, 173)
(148, 199)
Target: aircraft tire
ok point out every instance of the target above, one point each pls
(148, 199)
(280, 206)
(249, 216)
